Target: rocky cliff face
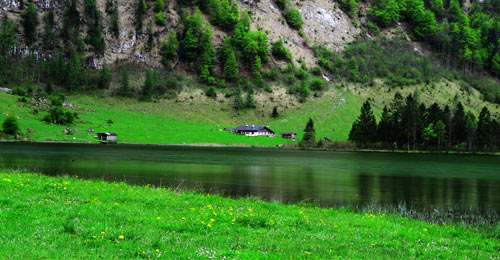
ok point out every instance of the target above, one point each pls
(324, 25)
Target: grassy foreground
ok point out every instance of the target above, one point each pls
(69, 218)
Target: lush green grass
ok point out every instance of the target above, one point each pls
(68, 218)
(192, 118)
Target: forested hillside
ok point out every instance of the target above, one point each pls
(241, 52)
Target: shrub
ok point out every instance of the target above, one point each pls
(317, 70)
(280, 52)
(211, 92)
(160, 18)
(10, 126)
(293, 18)
(316, 84)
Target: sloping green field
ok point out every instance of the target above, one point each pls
(200, 120)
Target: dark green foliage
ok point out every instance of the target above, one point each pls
(57, 115)
(71, 22)
(10, 126)
(150, 43)
(459, 122)
(30, 22)
(282, 4)
(125, 87)
(350, 7)
(7, 33)
(139, 14)
(317, 71)
(275, 113)
(75, 73)
(149, 85)
(159, 5)
(169, 49)
(114, 25)
(309, 134)
(49, 39)
(280, 52)
(316, 84)
(94, 32)
(250, 102)
(104, 78)
(231, 67)
(369, 59)
(207, 51)
(364, 129)
(160, 18)
(238, 100)
(293, 18)
(211, 92)
(223, 13)
(485, 130)
(385, 13)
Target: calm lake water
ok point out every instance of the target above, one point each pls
(326, 178)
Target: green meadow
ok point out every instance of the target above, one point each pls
(69, 218)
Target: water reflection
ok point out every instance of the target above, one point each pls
(287, 176)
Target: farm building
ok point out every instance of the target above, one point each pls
(291, 136)
(253, 131)
(108, 137)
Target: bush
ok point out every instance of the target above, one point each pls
(10, 126)
(317, 71)
(316, 84)
(293, 18)
(280, 52)
(211, 92)
(18, 91)
(281, 4)
(160, 18)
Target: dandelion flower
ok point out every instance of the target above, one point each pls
(103, 232)
(212, 220)
(158, 218)
(121, 237)
(183, 218)
(157, 250)
(116, 203)
(209, 225)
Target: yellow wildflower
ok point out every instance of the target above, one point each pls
(157, 250)
(158, 218)
(121, 237)
(209, 225)
(183, 218)
(116, 203)
(425, 229)
(212, 220)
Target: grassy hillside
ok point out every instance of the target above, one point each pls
(193, 118)
(47, 217)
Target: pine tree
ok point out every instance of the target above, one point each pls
(238, 100)
(10, 126)
(250, 102)
(207, 50)
(275, 113)
(7, 39)
(49, 35)
(256, 67)
(114, 25)
(169, 49)
(30, 22)
(231, 67)
(384, 127)
(485, 131)
(440, 130)
(139, 14)
(190, 45)
(309, 134)
(149, 85)
(74, 72)
(459, 122)
(125, 87)
(364, 129)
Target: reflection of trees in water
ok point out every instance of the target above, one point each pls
(422, 192)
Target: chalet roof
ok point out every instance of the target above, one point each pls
(252, 128)
(107, 134)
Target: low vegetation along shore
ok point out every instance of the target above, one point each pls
(61, 217)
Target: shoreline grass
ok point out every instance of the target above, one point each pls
(69, 218)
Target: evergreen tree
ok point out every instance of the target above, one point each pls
(470, 129)
(139, 14)
(231, 67)
(437, 7)
(485, 131)
(30, 22)
(49, 35)
(238, 100)
(256, 67)
(384, 127)
(10, 126)
(149, 85)
(309, 134)
(125, 87)
(207, 50)
(114, 25)
(250, 102)
(74, 72)
(364, 129)
(190, 45)
(275, 113)
(410, 121)
(440, 131)
(169, 49)
(71, 22)
(459, 122)
(7, 39)
(159, 5)
(397, 109)
(104, 77)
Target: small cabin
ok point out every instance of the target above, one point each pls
(254, 131)
(108, 137)
(291, 136)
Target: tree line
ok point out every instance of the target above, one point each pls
(408, 124)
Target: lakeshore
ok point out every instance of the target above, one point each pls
(65, 217)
